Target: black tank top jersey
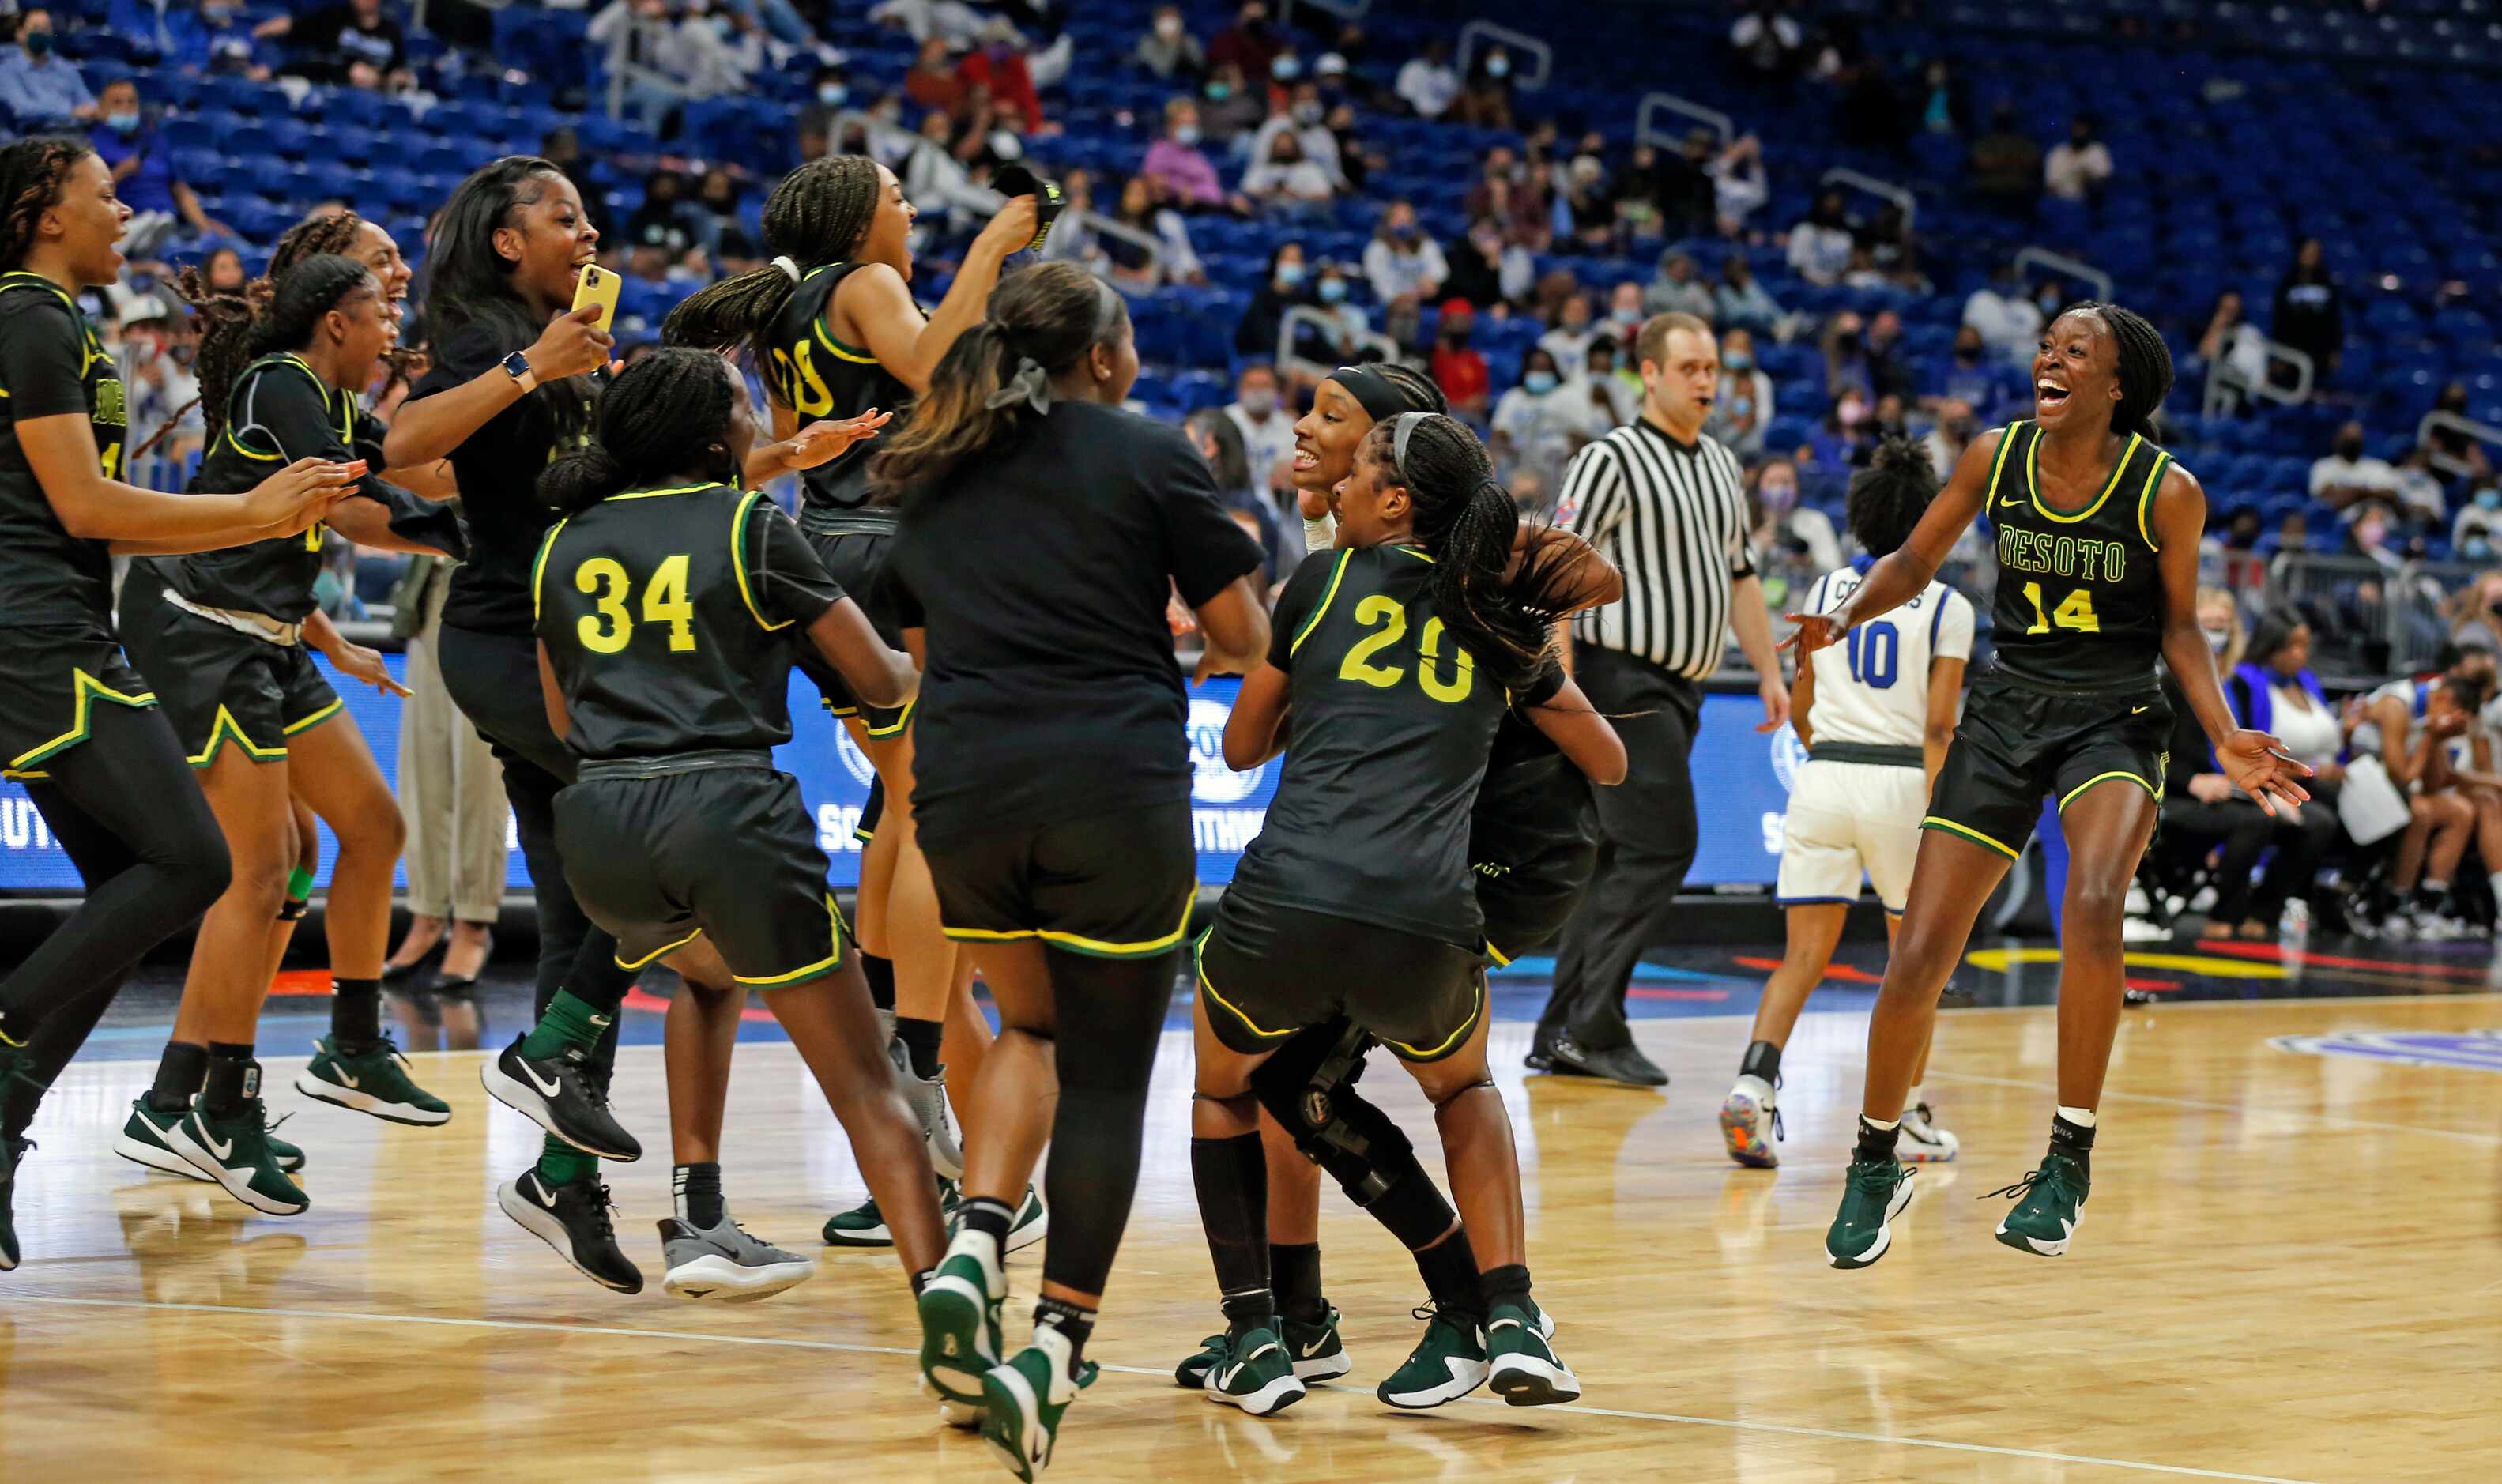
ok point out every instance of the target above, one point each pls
(664, 614)
(2079, 597)
(817, 376)
(51, 365)
(1389, 730)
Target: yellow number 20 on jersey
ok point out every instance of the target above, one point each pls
(1392, 617)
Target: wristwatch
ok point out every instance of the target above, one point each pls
(518, 366)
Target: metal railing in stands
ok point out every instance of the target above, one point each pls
(1886, 189)
(2224, 381)
(1719, 123)
(1305, 314)
(2067, 268)
(1097, 222)
(1519, 42)
(2368, 617)
(2452, 423)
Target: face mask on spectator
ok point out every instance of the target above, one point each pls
(2371, 532)
(1498, 65)
(1629, 315)
(1539, 382)
(39, 44)
(1331, 291)
(1307, 113)
(1187, 136)
(1777, 495)
(1006, 146)
(1853, 412)
(1290, 275)
(122, 123)
(1260, 401)
(833, 94)
(1738, 361)
(1741, 408)
(2218, 639)
(2488, 499)
(1407, 233)
(2349, 448)
(2477, 549)
(1286, 69)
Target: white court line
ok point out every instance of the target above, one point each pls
(542, 1326)
(2333, 1120)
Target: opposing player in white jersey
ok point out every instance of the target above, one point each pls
(1876, 714)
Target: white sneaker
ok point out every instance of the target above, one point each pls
(2139, 930)
(1922, 1142)
(1746, 1118)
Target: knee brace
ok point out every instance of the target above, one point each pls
(1329, 1120)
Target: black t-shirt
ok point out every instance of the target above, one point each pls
(1040, 572)
(1389, 730)
(498, 468)
(50, 365)
(668, 616)
(817, 376)
(334, 38)
(278, 412)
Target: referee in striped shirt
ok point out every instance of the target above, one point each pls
(1666, 506)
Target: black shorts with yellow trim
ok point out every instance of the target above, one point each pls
(1267, 972)
(222, 687)
(853, 545)
(1110, 886)
(1527, 901)
(2018, 744)
(871, 811)
(728, 854)
(52, 679)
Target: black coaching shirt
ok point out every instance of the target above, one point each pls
(667, 614)
(1389, 729)
(1673, 518)
(2079, 600)
(1041, 571)
(817, 376)
(51, 363)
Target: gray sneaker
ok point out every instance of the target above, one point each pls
(928, 1101)
(727, 1263)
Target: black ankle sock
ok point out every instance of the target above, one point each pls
(879, 974)
(1077, 1323)
(355, 1012)
(920, 1281)
(1877, 1143)
(920, 1037)
(180, 1072)
(1295, 1274)
(1449, 1268)
(1763, 1060)
(697, 1189)
(1508, 1284)
(234, 1078)
(989, 1217)
(2075, 1140)
(1250, 1309)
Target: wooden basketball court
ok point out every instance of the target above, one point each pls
(2291, 1270)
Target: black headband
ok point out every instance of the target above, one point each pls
(1379, 395)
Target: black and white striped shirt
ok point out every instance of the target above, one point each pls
(1673, 518)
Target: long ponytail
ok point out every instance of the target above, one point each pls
(1469, 526)
(225, 324)
(818, 215)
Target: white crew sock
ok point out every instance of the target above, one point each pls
(1880, 1125)
(2083, 1118)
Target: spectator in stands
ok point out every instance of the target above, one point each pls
(1536, 427)
(1843, 443)
(1304, 119)
(2010, 323)
(1356, 164)
(1647, 199)
(1597, 400)
(1943, 108)
(1989, 387)
(2421, 497)
(562, 148)
(1590, 204)
(723, 236)
(1287, 285)
(2476, 534)
(1286, 182)
(1680, 288)
(216, 39)
(1177, 169)
(1168, 51)
(2006, 164)
(1330, 286)
(142, 175)
(1768, 42)
(2417, 759)
(1403, 264)
(1951, 433)
(1131, 262)
(1739, 186)
(1459, 368)
(1625, 311)
(1232, 106)
(2475, 613)
(1819, 247)
(1268, 428)
(1784, 533)
(932, 80)
(356, 44)
(39, 88)
(1739, 301)
(224, 272)
(1866, 354)
(667, 60)
(1510, 196)
(2350, 482)
(1485, 98)
(950, 21)
(1569, 342)
(1427, 82)
(2309, 309)
(1250, 45)
(1861, 272)
(2458, 451)
(666, 220)
(2232, 342)
(1220, 442)
(2079, 167)
(1494, 276)
(1744, 409)
(998, 64)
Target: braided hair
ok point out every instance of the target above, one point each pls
(32, 173)
(666, 414)
(2145, 366)
(271, 315)
(1468, 523)
(818, 215)
(1888, 497)
(1422, 393)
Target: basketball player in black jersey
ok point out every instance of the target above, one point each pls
(78, 724)
(834, 331)
(667, 598)
(224, 637)
(1532, 847)
(1400, 654)
(2097, 540)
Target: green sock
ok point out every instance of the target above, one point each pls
(560, 1164)
(568, 1022)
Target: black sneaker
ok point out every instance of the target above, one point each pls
(1542, 1052)
(573, 1218)
(13, 1153)
(1614, 1063)
(557, 1093)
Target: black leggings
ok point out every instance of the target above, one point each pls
(494, 680)
(129, 813)
(1111, 1019)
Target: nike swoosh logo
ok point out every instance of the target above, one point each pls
(1314, 1348)
(2136, 710)
(548, 1089)
(1225, 1382)
(216, 1151)
(347, 1079)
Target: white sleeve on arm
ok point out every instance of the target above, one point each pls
(1593, 501)
(1954, 628)
(1322, 534)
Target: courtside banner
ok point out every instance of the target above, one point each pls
(1737, 787)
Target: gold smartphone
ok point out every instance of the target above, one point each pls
(599, 286)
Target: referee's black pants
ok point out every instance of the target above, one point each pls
(1646, 840)
(494, 680)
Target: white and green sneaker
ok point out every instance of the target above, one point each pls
(1522, 1366)
(1033, 1223)
(1873, 1194)
(369, 1079)
(960, 1324)
(2049, 1206)
(1025, 1396)
(1255, 1375)
(1448, 1364)
(234, 1151)
(865, 1225)
(142, 1141)
(1318, 1353)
